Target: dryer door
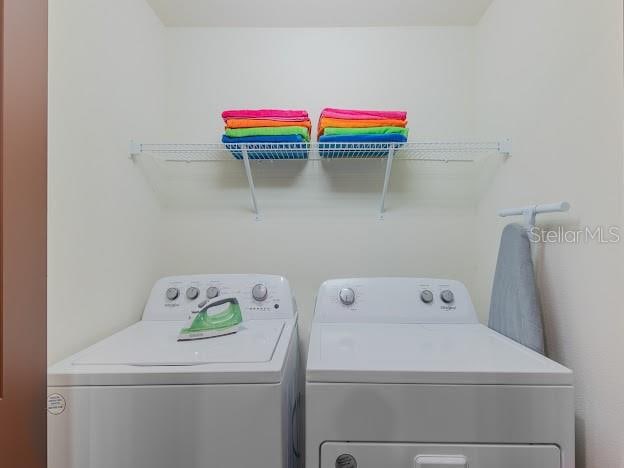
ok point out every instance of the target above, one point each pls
(387, 455)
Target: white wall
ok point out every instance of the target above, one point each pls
(549, 73)
(106, 85)
(426, 71)
(320, 219)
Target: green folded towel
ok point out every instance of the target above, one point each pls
(365, 131)
(268, 131)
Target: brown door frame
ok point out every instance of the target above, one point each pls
(23, 205)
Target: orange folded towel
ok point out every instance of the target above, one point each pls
(325, 122)
(251, 123)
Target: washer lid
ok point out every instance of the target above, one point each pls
(148, 353)
(156, 344)
(427, 354)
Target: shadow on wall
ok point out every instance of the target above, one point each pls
(548, 289)
(581, 437)
(316, 184)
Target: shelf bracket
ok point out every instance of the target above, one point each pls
(252, 187)
(382, 204)
(135, 149)
(504, 147)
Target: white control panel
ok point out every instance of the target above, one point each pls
(260, 296)
(394, 300)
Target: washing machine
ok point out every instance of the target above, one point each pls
(142, 399)
(401, 374)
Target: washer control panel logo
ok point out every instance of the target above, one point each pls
(56, 403)
(346, 461)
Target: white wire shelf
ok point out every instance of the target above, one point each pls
(416, 150)
(445, 151)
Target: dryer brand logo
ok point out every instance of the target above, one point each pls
(56, 404)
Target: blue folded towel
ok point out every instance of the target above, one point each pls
(257, 148)
(364, 138)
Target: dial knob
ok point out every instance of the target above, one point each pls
(447, 296)
(172, 293)
(192, 293)
(212, 292)
(347, 296)
(259, 292)
(426, 296)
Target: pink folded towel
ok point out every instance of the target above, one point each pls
(273, 114)
(362, 114)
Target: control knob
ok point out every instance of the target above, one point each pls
(426, 296)
(212, 292)
(259, 292)
(447, 296)
(192, 293)
(347, 296)
(172, 293)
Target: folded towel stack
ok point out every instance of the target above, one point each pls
(345, 133)
(279, 127)
(362, 126)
